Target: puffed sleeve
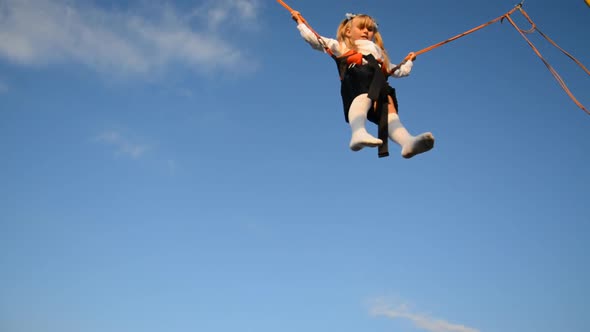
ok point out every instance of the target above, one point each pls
(314, 41)
(403, 71)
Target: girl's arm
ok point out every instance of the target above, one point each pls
(312, 39)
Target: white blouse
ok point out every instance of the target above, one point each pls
(365, 47)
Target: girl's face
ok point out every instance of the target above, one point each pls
(361, 28)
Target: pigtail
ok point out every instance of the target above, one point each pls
(341, 34)
(379, 42)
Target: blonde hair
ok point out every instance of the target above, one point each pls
(363, 21)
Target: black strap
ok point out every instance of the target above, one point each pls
(378, 92)
(383, 133)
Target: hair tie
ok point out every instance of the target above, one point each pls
(350, 16)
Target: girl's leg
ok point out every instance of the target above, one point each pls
(411, 145)
(357, 118)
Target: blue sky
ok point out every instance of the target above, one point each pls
(184, 166)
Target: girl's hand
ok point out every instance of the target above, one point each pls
(296, 16)
(403, 70)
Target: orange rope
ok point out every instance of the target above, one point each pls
(535, 28)
(317, 35)
(430, 48)
(564, 52)
(286, 6)
(553, 71)
(522, 33)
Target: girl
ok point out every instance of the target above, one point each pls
(364, 67)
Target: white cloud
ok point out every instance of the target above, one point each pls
(220, 12)
(122, 144)
(40, 32)
(421, 321)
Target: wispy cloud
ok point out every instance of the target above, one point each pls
(142, 40)
(228, 12)
(122, 144)
(421, 321)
